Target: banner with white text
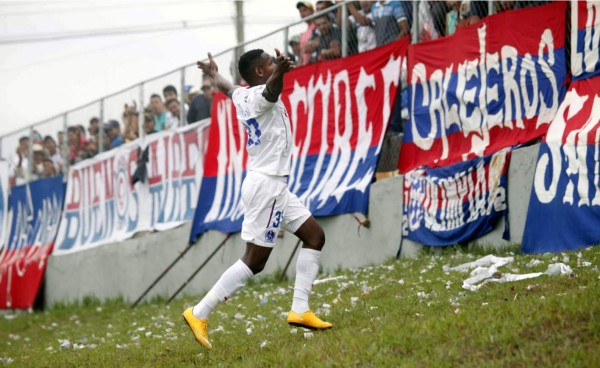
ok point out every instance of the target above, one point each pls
(219, 204)
(174, 169)
(339, 111)
(35, 211)
(585, 39)
(564, 208)
(456, 203)
(489, 86)
(101, 204)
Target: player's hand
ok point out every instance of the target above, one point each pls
(283, 64)
(208, 68)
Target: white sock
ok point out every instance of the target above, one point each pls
(232, 280)
(307, 267)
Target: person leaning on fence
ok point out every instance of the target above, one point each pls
(360, 20)
(326, 43)
(267, 202)
(162, 117)
(113, 131)
(201, 103)
(306, 9)
(149, 124)
(390, 21)
(53, 154)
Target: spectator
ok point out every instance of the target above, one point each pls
(452, 17)
(390, 21)
(53, 154)
(94, 127)
(49, 169)
(76, 145)
(91, 149)
(149, 124)
(175, 109)
(323, 4)
(306, 9)
(202, 103)
(327, 40)
(169, 92)
(113, 131)
(296, 53)
(361, 21)
(39, 155)
(37, 137)
(162, 117)
(438, 10)
(473, 11)
(20, 163)
(131, 122)
(82, 133)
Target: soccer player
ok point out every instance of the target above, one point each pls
(268, 203)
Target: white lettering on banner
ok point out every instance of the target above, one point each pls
(475, 94)
(586, 60)
(174, 177)
(576, 150)
(101, 205)
(226, 203)
(438, 202)
(338, 177)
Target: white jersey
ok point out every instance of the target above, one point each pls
(269, 134)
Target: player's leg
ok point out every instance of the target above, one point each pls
(261, 201)
(299, 221)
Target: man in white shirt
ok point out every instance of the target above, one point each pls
(268, 203)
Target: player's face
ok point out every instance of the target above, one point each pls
(267, 65)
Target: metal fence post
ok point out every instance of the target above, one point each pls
(64, 147)
(286, 40)
(344, 26)
(30, 153)
(490, 7)
(415, 22)
(101, 127)
(182, 115)
(142, 115)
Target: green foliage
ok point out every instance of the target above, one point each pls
(402, 313)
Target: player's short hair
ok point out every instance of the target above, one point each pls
(155, 95)
(248, 61)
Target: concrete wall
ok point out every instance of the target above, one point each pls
(127, 268)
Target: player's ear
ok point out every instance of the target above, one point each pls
(259, 71)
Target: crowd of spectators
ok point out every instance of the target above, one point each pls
(49, 157)
(370, 24)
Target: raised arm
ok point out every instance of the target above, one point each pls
(274, 84)
(211, 69)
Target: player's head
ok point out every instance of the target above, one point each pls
(256, 66)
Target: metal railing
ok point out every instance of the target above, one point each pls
(419, 15)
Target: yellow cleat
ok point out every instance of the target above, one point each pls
(199, 328)
(307, 320)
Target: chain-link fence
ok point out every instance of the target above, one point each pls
(324, 31)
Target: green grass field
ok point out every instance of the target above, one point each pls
(402, 313)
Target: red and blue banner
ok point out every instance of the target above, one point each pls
(564, 208)
(491, 85)
(456, 203)
(219, 202)
(339, 112)
(35, 211)
(585, 39)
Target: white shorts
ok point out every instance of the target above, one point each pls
(268, 206)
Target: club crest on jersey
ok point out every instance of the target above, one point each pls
(269, 236)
